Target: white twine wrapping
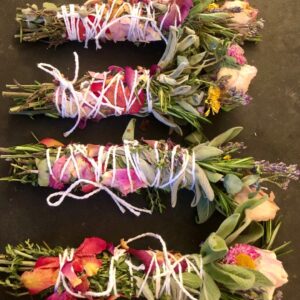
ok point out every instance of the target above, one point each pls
(133, 162)
(141, 18)
(70, 103)
(164, 271)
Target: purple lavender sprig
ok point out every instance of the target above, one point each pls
(278, 173)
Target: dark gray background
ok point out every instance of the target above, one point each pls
(271, 132)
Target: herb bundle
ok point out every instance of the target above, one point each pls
(186, 86)
(147, 21)
(209, 169)
(227, 266)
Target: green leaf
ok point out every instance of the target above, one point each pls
(129, 131)
(43, 177)
(252, 234)
(146, 290)
(228, 226)
(261, 280)
(203, 152)
(225, 136)
(210, 290)
(231, 276)
(213, 249)
(213, 177)
(232, 184)
(195, 137)
(250, 180)
(199, 8)
(205, 209)
(204, 183)
(191, 280)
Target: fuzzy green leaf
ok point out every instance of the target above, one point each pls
(225, 136)
(210, 290)
(203, 152)
(232, 184)
(205, 209)
(231, 276)
(228, 226)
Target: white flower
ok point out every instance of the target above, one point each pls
(238, 79)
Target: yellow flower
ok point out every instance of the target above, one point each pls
(212, 100)
(227, 157)
(212, 6)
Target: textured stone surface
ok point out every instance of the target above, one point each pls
(271, 132)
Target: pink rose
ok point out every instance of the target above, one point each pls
(238, 79)
(272, 268)
(263, 261)
(264, 212)
(122, 182)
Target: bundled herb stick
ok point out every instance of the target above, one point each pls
(209, 169)
(186, 86)
(144, 21)
(227, 266)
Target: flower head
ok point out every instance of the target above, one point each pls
(84, 264)
(242, 255)
(238, 79)
(263, 261)
(237, 52)
(213, 100)
(265, 211)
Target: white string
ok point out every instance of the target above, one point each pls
(84, 104)
(181, 163)
(168, 266)
(140, 16)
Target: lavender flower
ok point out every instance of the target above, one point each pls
(279, 173)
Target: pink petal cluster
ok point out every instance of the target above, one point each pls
(64, 171)
(240, 249)
(237, 52)
(121, 182)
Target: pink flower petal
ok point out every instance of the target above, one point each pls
(69, 272)
(91, 246)
(122, 182)
(51, 143)
(47, 263)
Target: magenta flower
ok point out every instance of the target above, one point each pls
(240, 249)
(122, 181)
(237, 52)
(146, 257)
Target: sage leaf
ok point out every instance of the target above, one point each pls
(191, 280)
(213, 177)
(228, 226)
(252, 234)
(210, 290)
(231, 276)
(213, 249)
(146, 289)
(204, 183)
(225, 136)
(166, 121)
(203, 152)
(205, 209)
(129, 131)
(232, 184)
